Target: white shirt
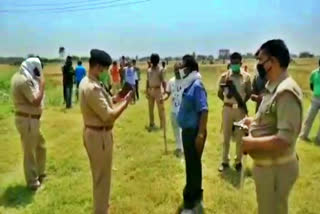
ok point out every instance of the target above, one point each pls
(175, 88)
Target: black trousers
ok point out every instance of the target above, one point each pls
(137, 89)
(192, 192)
(68, 94)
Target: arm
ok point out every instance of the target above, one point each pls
(311, 81)
(100, 106)
(30, 93)
(202, 108)
(248, 89)
(288, 128)
(220, 90)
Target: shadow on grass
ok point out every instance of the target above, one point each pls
(16, 196)
(234, 177)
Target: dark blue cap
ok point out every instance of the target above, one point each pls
(101, 57)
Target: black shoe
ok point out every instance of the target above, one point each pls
(223, 167)
(238, 167)
(42, 178)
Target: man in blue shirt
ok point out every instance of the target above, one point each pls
(192, 118)
(80, 72)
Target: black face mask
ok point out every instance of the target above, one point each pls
(262, 72)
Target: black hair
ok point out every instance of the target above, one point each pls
(190, 62)
(93, 62)
(279, 50)
(114, 63)
(134, 61)
(163, 63)
(236, 55)
(79, 62)
(155, 59)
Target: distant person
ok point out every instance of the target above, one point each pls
(315, 106)
(175, 90)
(28, 87)
(99, 116)
(154, 87)
(274, 131)
(137, 77)
(116, 79)
(234, 91)
(245, 68)
(130, 78)
(105, 79)
(123, 65)
(164, 68)
(192, 119)
(80, 73)
(68, 74)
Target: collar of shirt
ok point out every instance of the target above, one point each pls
(95, 79)
(271, 87)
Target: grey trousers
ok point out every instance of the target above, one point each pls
(312, 113)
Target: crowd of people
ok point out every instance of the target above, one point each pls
(269, 138)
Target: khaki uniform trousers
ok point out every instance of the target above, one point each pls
(155, 95)
(273, 185)
(229, 116)
(99, 149)
(34, 150)
(312, 114)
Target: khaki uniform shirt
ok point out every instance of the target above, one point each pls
(242, 83)
(23, 93)
(155, 77)
(95, 103)
(280, 113)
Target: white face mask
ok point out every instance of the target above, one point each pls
(182, 73)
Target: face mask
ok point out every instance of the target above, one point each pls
(182, 73)
(235, 68)
(261, 70)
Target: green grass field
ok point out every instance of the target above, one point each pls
(144, 179)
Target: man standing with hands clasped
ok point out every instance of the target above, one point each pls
(99, 116)
(192, 119)
(274, 131)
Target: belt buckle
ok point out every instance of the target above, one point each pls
(234, 106)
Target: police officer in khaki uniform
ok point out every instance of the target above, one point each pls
(233, 111)
(28, 91)
(274, 131)
(99, 115)
(155, 79)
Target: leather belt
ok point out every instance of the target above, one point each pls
(33, 116)
(99, 128)
(276, 161)
(234, 106)
(158, 87)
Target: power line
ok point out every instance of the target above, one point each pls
(59, 3)
(53, 9)
(103, 7)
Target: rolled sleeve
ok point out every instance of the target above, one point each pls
(99, 105)
(288, 117)
(29, 91)
(201, 99)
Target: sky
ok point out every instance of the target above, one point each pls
(167, 27)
